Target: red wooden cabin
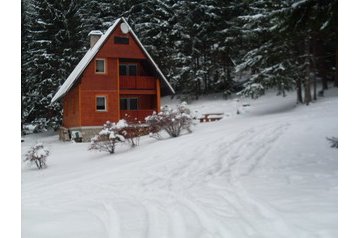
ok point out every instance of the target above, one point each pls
(116, 79)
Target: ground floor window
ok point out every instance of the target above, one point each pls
(129, 104)
(101, 103)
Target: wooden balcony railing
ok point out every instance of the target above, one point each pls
(137, 82)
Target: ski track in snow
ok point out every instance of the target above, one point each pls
(202, 194)
(187, 175)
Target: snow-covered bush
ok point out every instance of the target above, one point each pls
(131, 131)
(108, 137)
(37, 155)
(173, 121)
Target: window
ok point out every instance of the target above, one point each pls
(130, 69)
(101, 103)
(100, 66)
(129, 104)
(121, 40)
(123, 69)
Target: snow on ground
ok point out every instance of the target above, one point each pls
(266, 172)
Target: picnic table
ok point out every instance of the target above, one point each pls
(209, 117)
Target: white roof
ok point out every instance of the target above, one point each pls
(72, 78)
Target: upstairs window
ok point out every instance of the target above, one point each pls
(129, 104)
(100, 66)
(123, 69)
(121, 40)
(101, 103)
(130, 69)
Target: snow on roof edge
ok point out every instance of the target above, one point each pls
(82, 65)
(149, 57)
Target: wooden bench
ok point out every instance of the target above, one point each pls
(209, 117)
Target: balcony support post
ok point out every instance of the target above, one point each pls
(158, 94)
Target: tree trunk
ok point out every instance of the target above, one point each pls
(299, 90)
(313, 59)
(336, 71)
(307, 80)
(206, 76)
(315, 88)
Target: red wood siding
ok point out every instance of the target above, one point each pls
(108, 81)
(92, 117)
(130, 51)
(137, 82)
(137, 116)
(71, 115)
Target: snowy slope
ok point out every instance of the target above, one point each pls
(267, 172)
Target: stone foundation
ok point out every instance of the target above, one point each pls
(86, 133)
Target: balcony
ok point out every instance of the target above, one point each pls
(137, 82)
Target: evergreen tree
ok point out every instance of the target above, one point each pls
(281, 37)
(54, 47)
(282, 44)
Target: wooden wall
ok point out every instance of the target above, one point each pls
(130, 51)
(92, 117)
(71, 112)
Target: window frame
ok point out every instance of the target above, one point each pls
(104, 66)
(105, 103)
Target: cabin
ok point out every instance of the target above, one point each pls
(116, 79)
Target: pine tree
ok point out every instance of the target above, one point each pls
(150, 21)
(54, 47)
(280, 35)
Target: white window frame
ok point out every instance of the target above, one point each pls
(104, 66)
(105, 103)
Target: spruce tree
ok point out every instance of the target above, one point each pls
(54, 47)
(281, 53)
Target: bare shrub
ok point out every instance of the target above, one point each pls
(37, 155)
(107, 138)
(113, 133)
(173, 121)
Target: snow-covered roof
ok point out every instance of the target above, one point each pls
(87, 58)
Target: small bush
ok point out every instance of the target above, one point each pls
(37, 155)
(133, 130)
(173, 121)
(107, 138)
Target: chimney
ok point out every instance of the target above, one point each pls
(94, 37)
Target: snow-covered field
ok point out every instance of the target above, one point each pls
(266, 172)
